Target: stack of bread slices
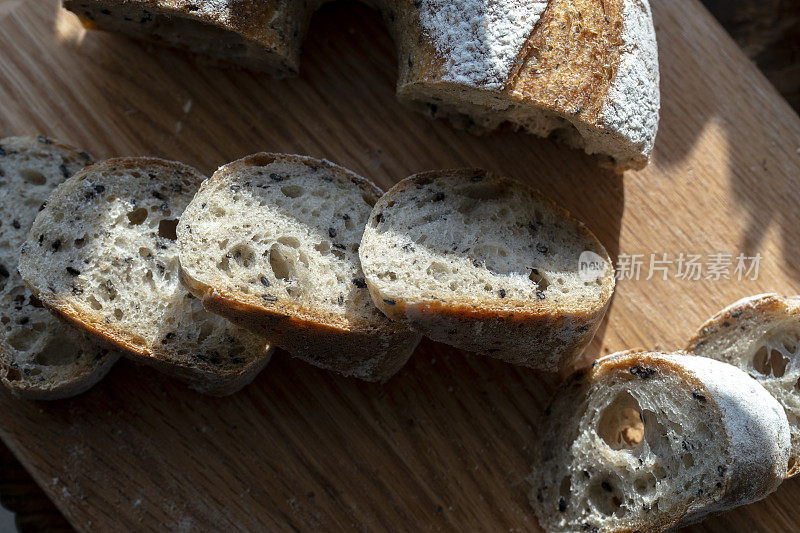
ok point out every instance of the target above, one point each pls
(200, 278)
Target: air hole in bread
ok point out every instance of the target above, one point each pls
(770, 362)
(13, 375)
(94, 303)
(487, 191)
(21, 340)
(79, 243)
(292, 191)
(323, 247)
(218, 211)
(280, 263)
(645, 483)
(292, 242)
(205, 332)
(118, 314)
(243, 255)
(59, 351)
(604, 495)
(168, 229)
(688, 460)
(621, 425)
(34, 177)
(437, 270)
(137, 216)
(539, 279)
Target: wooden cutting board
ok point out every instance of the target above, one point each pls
(447, 444)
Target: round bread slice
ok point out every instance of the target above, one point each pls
(487, 264)
(650, 441)
(102, 255)
(271, 243)
(761, 335)
(40, 357)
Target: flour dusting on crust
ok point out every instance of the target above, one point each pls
(480, 39)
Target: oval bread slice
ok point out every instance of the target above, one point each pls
(40, 358)
(102, 255)
(271, 243)
(650, 441)
(488, 265)
(761, 335)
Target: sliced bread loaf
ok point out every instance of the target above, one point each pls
(488, 265)
(271, 243)
(761, 335)
(40, 358)
(102, 255)
(649, 441)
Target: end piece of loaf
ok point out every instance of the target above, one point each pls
(271, 243)
(761, 335)
(264, 35)
(486, 264)
(581, 71)
(650, 441)
(40, 357)
(102, 255)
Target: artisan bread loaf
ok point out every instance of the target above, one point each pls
(40, 358)
(102, 255)
(650, 441)
(488, 265)
(582, 71)
(263, 35)
(761, 335)
(271, 243)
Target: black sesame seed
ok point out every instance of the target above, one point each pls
(264, 281)
(332, 232)
(275, 177)
(157, 195)
(540, 295)
(339, 245)
(269, 298)
(699, 397)
(56, 245)
(42, 139)
(99, 188)
(73, 271)
(15, 224)
(379, 218)
(340, 300)
(360, 283)
(389, 301)
(541, 248)
(24, 320)
(502, 293)
(562, 504)
(439, 197)
(642, 372)
(85, 155)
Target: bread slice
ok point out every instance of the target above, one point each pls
(488, 265)
(264, 35)
(40, 358)
(650, 441)
(102, 255)
(271, 243)
(581, 71)
(761, 335)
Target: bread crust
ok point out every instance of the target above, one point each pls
(756, 433)
(346, 347)
(735, 333)
(587, 71)
(534, 334)
(202, 377)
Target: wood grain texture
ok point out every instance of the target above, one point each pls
(447, 444)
